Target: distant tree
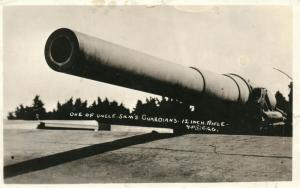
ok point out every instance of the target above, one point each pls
(123, 109)
(93, 107)
(38, 109)
(105, 105)
(138, 107)
(77, 105)
(11, 116)
(20, 112)
(55, 113)
(149, 107)
(58, 106)
(25, 113)
(29, 112)
(63, 110)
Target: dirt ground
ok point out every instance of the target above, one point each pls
(86, 156)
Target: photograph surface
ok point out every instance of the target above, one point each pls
(147, 94)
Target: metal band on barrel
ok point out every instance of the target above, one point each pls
(204, 85)
(229, 76)
(249, 87)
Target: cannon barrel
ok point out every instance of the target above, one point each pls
(75, 53)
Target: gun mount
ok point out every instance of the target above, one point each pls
(78, 54)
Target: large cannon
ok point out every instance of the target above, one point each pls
(85, 56)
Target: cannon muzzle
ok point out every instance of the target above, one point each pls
(78, 54)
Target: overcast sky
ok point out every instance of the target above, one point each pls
(248, 40)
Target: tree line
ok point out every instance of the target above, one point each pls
(152, 106)
(62, 111)
(164, 106)
(161, 107)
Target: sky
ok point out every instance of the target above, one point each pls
(247, 40)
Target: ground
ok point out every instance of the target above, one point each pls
(85, 156)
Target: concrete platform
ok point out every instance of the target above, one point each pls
(85, 156)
